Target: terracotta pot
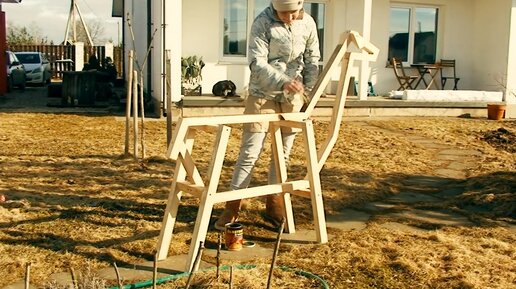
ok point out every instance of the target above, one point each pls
(495, 111)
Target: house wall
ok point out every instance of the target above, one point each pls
(511, 63)
(469, 30)
(465, 34)
(202, 36)
(137, 22)
(491, 22)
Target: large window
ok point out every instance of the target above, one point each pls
(239, 15)
(413, 34)
(235, 27)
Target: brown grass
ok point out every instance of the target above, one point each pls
(73, 200)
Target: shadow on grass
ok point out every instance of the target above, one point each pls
(103, 191)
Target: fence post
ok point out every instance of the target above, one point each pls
(79, 56)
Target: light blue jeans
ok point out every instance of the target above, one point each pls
(253, 139)
(250, 150)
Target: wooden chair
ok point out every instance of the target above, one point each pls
(448, 72)
(406, 81)
(188, 179)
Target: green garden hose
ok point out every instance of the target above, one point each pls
(172, 277)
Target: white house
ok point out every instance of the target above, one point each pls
(480, 35)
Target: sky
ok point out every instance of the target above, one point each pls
(51, 16)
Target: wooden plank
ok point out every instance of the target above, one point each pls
(190, 167)
(202, 223)
(281, 174)
(315, 183)
(177, 144)
(208, 128)
(338, 111)
(170, 216)
(302, 193)
(325, 77)
(260, 191)
(206, 204)
(241, 119)
(217, 160)
(190, 188)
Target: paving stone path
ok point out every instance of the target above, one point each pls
(401, 210)
(418, 204)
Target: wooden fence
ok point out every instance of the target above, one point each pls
(62, 57)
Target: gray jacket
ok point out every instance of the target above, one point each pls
(279, 53)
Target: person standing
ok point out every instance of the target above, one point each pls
(283, 57)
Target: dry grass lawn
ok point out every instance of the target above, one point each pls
(74, 201)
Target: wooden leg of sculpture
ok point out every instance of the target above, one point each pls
(174, 198)
(315, 182)
(208, 198)
(281, 175)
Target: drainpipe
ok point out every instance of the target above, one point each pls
(150, 29)
(163, 58)
(365, 70)
(510, 89)
(3, 47)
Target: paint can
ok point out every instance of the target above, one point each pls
(234, 236)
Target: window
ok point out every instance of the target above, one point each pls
(239, 16)
(235, 27)
(413, 34)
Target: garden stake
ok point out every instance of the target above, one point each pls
(27, 275)
(74, 280)
(218, 255)
(128, 102)
(117, 276)
(142, 109)
(155, 271)
(231, 277)
(140, 82)
(275, 254)
(135, 114)
(195, 265)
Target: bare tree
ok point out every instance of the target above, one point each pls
(21, 35)
(95, 28)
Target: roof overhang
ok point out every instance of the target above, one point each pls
(10, 1)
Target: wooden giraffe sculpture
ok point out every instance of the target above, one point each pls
(187, 178)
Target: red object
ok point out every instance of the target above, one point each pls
(3, 47)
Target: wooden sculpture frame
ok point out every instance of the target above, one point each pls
(187, 178)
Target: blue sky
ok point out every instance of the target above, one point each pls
(51, 16)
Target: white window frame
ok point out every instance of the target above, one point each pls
(413, 24)
(225, 59)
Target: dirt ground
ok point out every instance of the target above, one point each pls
(74, 200)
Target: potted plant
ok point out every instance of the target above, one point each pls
(191, 69)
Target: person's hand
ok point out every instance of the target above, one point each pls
(294, 86)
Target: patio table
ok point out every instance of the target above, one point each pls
(425, 69)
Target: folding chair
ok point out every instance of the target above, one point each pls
(405, 80)
(448, 72)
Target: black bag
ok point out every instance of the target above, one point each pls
(224, 88)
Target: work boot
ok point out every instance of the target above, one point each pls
(275, 209)
(230, 215)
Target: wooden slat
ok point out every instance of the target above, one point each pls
(254, 192)
(192, 189)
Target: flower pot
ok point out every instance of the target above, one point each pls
(495, 111)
